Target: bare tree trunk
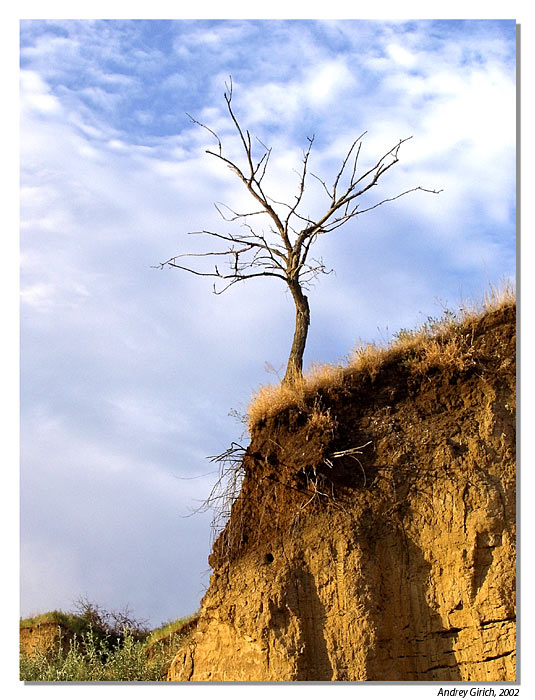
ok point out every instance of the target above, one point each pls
(283, 253)
(294, 369)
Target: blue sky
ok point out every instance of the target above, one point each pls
(128, 373)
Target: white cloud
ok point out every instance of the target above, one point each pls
(49, 51)
(325, 82)
(317, 84)
(226, 36)
(38, 295)
(401, 56)
(146, 417)
(35, 94)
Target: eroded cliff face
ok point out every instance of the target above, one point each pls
(395, 561)
(45, 638)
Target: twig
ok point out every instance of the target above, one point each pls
(350, 451)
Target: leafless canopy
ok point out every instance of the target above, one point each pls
(284, 250)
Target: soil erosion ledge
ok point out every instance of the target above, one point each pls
(373, 537)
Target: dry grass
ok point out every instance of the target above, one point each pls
(437, 344)
(320, 420)
(171, 629)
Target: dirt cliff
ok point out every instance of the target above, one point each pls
(373, 537)
(45, 638)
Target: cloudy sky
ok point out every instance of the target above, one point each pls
(128, 372)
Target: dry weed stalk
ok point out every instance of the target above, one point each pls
(350, 452)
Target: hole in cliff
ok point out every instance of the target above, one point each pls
(269, 558)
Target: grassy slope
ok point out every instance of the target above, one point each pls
(439, 343)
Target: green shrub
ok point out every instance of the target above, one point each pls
(93, 658)
(103, 646)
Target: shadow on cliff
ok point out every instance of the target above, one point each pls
(301, 603)
(314, 663)
(412, 642)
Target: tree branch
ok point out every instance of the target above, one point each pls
(282, 252)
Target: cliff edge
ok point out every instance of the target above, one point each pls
(373, 537)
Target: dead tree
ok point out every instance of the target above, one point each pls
(284, 251)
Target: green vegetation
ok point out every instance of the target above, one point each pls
(75, 623)
(91, 647)
(171, 629)
(91, 658)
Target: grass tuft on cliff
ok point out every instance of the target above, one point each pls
(170, 629)
(70, 621)
(442, 343)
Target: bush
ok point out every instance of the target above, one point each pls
(93, 658)
(113, 623)
(106, 646)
